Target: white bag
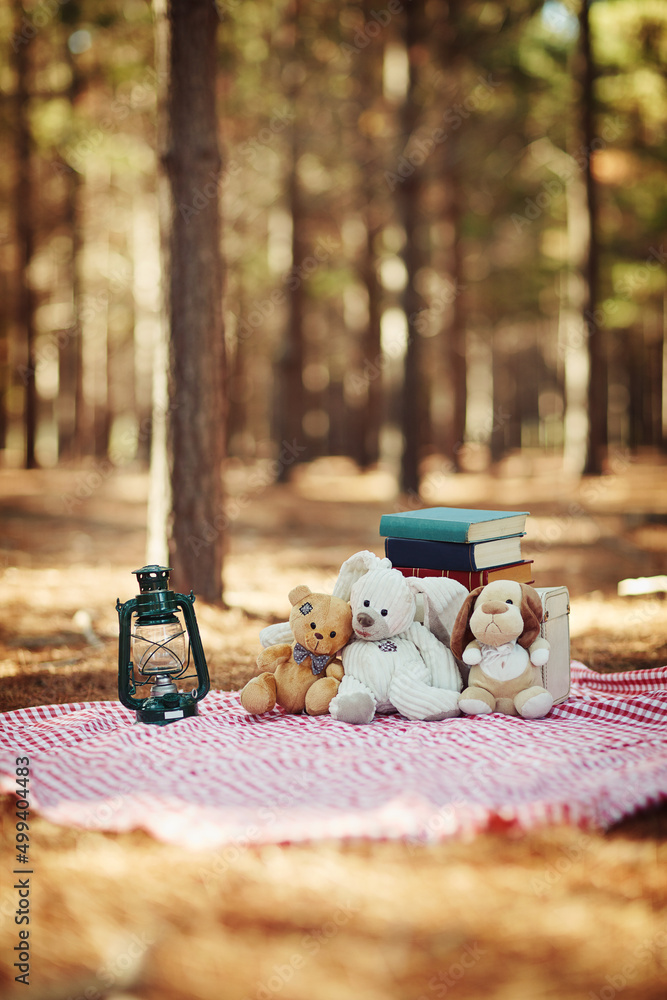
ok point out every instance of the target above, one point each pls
(555, 629)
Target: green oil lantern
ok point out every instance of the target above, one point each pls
(160, 651)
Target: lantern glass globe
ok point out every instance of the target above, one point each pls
(159, 649)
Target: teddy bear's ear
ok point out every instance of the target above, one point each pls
(461, 633)
(298, 594)
(531, 612)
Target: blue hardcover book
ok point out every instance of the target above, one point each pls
(454, 524)
(462, 556)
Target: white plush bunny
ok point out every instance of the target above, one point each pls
(352, 570)
(394, 663)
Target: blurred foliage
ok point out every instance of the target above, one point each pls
(310, 108)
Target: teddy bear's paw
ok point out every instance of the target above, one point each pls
(358, 708)
(536, 706)
(259, 694)
(320, 695)
(270, 658)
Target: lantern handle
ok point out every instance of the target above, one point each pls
(185, 603)
(125, 690)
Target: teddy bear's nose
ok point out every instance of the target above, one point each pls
(364, 619)
(318, 635)
(494, 608)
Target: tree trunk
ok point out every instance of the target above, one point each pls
(69, 405)
(454, 54)
(70, 381)
(456, 333)
(5, 371)
(369, 450)
(413, 403)
(290, 391)
(25, 302)
(370, 81)
(597, 378)
(503, 402)
(159, 489)
(663, 381)
(238, 388)
(190, 228)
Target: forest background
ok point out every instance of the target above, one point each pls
(442, 233)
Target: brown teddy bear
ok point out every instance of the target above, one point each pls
(301, 677)
(497, 633)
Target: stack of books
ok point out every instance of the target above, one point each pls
(471, 546)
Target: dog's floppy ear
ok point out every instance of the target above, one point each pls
(531, 612)
(461, 633)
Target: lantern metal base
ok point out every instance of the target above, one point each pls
(162, 711)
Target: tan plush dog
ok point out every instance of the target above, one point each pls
(300, 676)
(497, 633)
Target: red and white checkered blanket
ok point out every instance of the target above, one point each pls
(225, 778)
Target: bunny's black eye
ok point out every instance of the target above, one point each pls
(332, 634)
(508, 601)
(313, 625)
(367, 604)
(384, 612)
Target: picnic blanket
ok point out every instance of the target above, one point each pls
(225, 778)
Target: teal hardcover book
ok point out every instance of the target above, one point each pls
(454, 524)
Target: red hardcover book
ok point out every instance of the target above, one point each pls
(522, 572)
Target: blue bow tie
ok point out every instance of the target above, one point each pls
(318, 663)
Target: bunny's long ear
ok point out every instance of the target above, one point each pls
(442, 599)
(462, 634)
(354, 568)
(532, 613)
